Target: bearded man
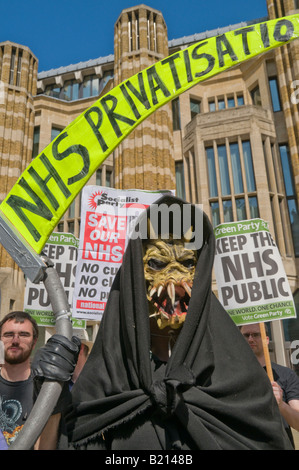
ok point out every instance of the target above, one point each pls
(19, 333)
(169, 368)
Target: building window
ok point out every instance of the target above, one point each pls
(226, 102)
(296, 4)
(71, 227)
(133, 23)
(108, 75)
(240, 208)
(12, 66)
(148, 32)
(130, 32)
(212, 172)
(230, 102)
(55, 131)
(179, 178)
(256, 96)
(221, 103)
(52, 90)
(36, 136)
(19, 68)
(194, 107)
(155, 33)
(240, 100)
(223, 170)
(137, 31)
(215, 213)
(249, 172)
(152, 25)
(99, 177)
(227, 210)
(176, 118)
(236, 168)
(70, 91)
(253, 207)
(72, 209)
(290, 195)
(275, 94)
(231, 179)
(90, 86)
(212, 106)
(108, 178)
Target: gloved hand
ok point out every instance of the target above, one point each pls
(57, 359)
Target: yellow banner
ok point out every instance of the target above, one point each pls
(49, 184)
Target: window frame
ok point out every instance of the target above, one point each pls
(226, 162)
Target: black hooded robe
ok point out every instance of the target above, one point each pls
(212, 394)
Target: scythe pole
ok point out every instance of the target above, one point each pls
(38, 269)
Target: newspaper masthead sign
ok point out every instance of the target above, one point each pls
(251, 280)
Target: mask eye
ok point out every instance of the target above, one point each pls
(156, 264)
(188, 263)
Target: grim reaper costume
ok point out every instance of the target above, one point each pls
(210, 394)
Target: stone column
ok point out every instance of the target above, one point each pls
(144, 160)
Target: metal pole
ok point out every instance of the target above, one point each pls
(50, 390)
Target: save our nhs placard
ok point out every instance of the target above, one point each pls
(107, 217)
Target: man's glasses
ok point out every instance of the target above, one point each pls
(9, 335)
(253, 335)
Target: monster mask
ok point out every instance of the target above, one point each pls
(169, 271)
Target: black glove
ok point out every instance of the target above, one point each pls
(57, 359)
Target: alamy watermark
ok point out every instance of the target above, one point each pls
(295, 94)
(295, 353)
(180, 222)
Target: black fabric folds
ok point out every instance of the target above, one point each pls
(212, 394)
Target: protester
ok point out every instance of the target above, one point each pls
(286, 382)
(183, 378)
(19, 333)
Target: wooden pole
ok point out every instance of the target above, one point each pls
(266, 351)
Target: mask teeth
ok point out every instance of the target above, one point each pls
(160, 288)
(160, 313)
(171, 292)
(157, 314)
(186, 287)
(153, 291)
(164, 314)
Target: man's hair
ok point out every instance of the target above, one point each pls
(20, 317)
(266, 328)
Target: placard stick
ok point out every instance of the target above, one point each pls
(266, 351)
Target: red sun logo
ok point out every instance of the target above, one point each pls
(93, 200)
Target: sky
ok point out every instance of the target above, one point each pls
(64, 32)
